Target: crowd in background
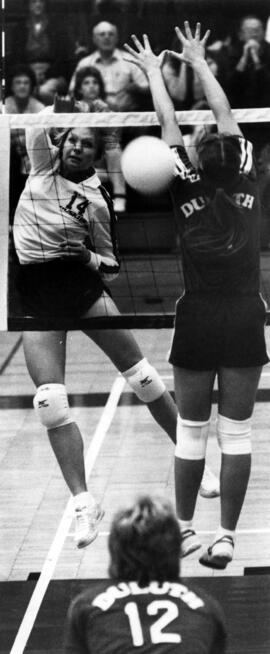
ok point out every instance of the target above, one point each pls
(43, 60)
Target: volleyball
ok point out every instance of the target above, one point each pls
(148, 165)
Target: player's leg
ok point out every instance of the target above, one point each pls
(193, 392)
(124, 352)
(45, 358)
(237, 391)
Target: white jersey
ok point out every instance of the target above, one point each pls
(52, 208)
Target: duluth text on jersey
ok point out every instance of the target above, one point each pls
(106, 599)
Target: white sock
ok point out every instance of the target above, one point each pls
(224, 532)
(83, 500)
(185, 524)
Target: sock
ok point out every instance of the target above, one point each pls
(185, 524)
(224, 532)
(83, 500)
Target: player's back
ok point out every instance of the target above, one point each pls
(121, 618)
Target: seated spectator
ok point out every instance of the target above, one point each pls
(248, 83)
(20, 101)
(21, 84)
(42, 43)
(145, 605)
(126, 85)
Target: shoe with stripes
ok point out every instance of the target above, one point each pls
(189, 542)
(86, 523)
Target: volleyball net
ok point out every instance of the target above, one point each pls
(150, 278)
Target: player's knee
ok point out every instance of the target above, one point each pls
(234, 436)
(191, 438)
(51, 405)
(145, 381)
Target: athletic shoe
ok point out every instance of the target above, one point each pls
(210, 484)
(86, 521)
(189, 542)
(219, 554)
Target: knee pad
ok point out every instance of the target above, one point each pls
(234, 436)
(145, 381)
(51, 405)
(191, 438)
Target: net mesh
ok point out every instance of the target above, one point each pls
(150, 278)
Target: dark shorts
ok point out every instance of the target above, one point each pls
(213, 331)
(58, 289)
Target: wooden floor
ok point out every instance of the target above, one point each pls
(135, 456)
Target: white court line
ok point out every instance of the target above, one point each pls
(64, 525)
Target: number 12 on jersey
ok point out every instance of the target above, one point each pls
(157, 635)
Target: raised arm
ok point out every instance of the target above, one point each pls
(41, 151)
(193, 53)
(144, 57)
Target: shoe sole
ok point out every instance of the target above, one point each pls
(216, 562)
(208, 494)
(81, 544)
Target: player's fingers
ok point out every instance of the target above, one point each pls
(131, 60)
(180, 35)
(146, 42)
(130, 50)
(198, 31)
(137, 42)
(206, 37)
(188, 30)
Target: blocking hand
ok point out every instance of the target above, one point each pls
(193, 46)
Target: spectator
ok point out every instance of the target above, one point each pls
(89, 88)
(125, 85)
(248, 82)
(20, 101)
(144, 605)
(21, 84)
(42, 44)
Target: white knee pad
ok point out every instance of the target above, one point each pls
(145, 381)
(234, 436)
(191, 438)
(51, 405)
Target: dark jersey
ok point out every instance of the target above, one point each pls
(229, 275)
(122, 618)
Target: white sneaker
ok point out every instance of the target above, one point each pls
(86, 521)
(219, 554)
(210, 486)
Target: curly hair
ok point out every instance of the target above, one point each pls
(89, 71)
(144, 542)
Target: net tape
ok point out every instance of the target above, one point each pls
(127, 119)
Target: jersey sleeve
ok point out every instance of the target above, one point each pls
(104, 249)
(219, 645)
(75, 640)
(42, 153)
(246, 158)
(184, 170)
